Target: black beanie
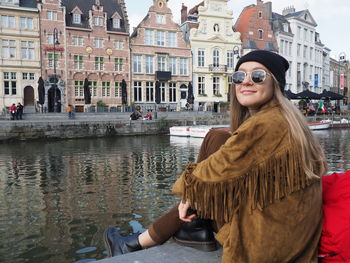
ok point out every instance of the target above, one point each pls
(277, 64)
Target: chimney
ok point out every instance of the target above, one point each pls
(183, 13)
(288, 10)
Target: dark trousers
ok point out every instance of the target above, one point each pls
(166, 226)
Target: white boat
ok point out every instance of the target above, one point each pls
(180, 131)
(319, 125)
(194, 131)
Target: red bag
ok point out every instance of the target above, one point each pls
(335, 239)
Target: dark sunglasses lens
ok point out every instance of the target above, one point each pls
(238, 77)
(258, 76)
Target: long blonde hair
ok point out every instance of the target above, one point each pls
(313, 159)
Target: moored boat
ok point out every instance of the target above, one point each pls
(319, 125)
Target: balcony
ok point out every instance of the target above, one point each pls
(218, 68)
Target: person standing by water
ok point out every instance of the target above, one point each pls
(261, 185)
(19, 112)
(69, 110)
(13, 112)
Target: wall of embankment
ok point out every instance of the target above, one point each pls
(68, 129)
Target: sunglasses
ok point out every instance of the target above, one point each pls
(257, 76)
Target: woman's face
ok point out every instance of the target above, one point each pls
(250, 94)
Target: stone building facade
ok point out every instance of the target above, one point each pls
(20, 53)
(161, 61)
(93, 45)
(215, 49)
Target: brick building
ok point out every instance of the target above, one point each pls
(93, 44)
(161, 61)
(20, 53)
(255, 26)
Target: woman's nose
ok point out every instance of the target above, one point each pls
(247, 80)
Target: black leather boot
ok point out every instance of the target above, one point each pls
(197, 234)
(117, 244)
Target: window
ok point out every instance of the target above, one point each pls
(106, 89)
(149, 92)
(201, 56)
(76, 19)
(116, 23)
(118, 66)
(31, 76)
(285, 27)
(137, 91)
(24, 75)
(184, 66)
(305, 52)
(8, 48)
(78, 62)
(160, 38)
(98, 42)
(26, 23)
(290, 69)
(299, 32)
(160, 19)
(93, 88)
(282, 46)
(52, 15)
(305, 34)
(216, 57)
(10, 84)
(311, 53)
(201, 85)
(51, 60)
(230, 59)
(149, 37)
(79, 88)
(137, 64)
(172, 65)
(172, 92)
(8, 21)
(77, 41)
(118, 44)
(149, 65)
(172, 39)
(260, 34)
(311, 36)
(98, 21)
(162, 91)
(260, 14)
(117, 89)
(99, 63)
(216, 85)
(298, 50)
(161, 63)
(50, 39)
(27, 49)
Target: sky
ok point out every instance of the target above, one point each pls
(331, 16)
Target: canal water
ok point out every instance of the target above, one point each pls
(56, 198)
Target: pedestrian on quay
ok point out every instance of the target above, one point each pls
(260, 184)
(69, 110)
(19, 111)
(13, 111)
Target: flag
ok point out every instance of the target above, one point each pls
(322, 106)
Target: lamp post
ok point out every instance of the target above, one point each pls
(55, 42)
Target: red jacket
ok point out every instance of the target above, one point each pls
(335, 240)
(13, 108)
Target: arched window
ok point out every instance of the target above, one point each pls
(260, 14)
(260, 34)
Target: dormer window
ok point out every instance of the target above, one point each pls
(285, 27)
(76, 19)
(116, 22)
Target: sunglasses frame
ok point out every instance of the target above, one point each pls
(250, 76)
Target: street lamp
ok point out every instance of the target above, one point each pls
(55, 42)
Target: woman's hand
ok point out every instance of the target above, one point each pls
(183, 212)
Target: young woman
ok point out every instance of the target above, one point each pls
(262, 186)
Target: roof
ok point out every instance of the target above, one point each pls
(109, 6)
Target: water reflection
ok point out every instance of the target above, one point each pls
(58, 197)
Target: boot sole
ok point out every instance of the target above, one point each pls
(203, 246)
(107, 245)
